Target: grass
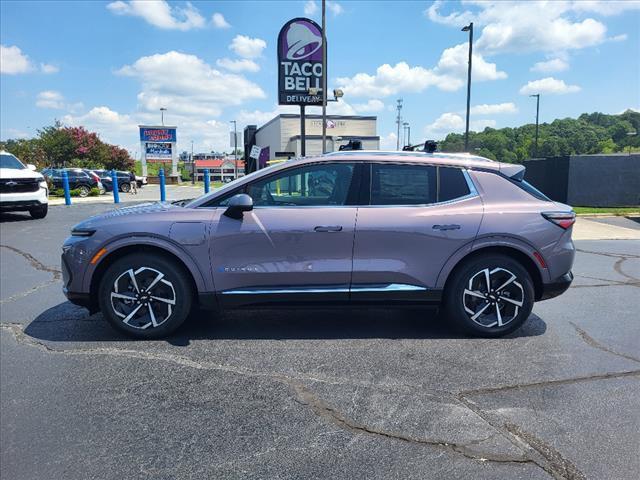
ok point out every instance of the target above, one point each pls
(622, 211)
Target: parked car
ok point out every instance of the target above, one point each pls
(93, 174)
(455, 230)
(78, 179)
(21, 187)
(124, 180)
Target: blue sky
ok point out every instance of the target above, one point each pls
(110, 65)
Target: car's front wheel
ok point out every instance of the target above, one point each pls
(145, 296)
(489, 296)
(84, 191)
(125, 187)
(39, 212)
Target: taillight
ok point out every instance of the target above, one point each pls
(562, 219)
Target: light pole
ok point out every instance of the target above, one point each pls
(537, 95)
(468, 28)
(407, 127)
(193, 167)
(324, 78)
(235, 149)
(162, 110)
(398, 121)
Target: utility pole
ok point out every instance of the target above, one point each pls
(399, 121)
(468, 28)
(235, 149)
(162, 110)
(324, 78)
(537, 95)
(193, 166)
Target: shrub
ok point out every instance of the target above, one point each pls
(95, 192)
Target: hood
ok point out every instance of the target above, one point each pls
(127, 213)
(19, 173)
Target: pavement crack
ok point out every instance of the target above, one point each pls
(34, 262)
(27, 292)
(305, 397)
(592, 342)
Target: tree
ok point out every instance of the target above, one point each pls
(57, 145)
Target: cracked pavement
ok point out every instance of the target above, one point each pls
(356, 393)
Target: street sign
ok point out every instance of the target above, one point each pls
(300, 62)
(255, 152)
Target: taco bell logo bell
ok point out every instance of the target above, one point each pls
(299, 62)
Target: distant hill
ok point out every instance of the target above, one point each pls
(589, 133)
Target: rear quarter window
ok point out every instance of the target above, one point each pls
(453, 184)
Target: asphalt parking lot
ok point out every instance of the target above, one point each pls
(363, 393)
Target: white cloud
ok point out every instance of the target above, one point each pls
(455, 60)
(335, 8)
(160, 14)
(187, 85)
(240, 65)
(388, 141)
(219, 21)
(450, 122)
(49, 68)
(549, 66)
(13, 61)
(373, 105)
(310, 8)
(534, 25)
(492, 109)
(618, 38)
(50, 99)
(247, 47)
(548, 86)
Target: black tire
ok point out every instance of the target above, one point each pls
(84, 191)
(460, 306)
(140, 324)
(39, 212)
(125, 187)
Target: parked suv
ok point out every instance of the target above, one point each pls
(21, 187)
(347, 228)
(78, 179)
(124, 180)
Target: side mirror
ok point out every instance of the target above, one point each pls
(238, 204)
(31, 167)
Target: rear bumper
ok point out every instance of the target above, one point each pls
(557, 287)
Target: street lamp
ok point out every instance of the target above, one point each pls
(468, 28)
(407, 128)
(193, 167)
(162, 110)
(537, 95)
(235, 149)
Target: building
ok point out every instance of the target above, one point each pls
(280, 137)
(221, 169)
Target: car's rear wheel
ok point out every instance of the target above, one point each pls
(145, 296)
(84, 191)
(489, 296)
(125, 187)
(39, 212)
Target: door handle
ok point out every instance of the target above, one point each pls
(328, 228)
(446, 227)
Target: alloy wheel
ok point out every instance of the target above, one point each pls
(143, 298)
(493, 297)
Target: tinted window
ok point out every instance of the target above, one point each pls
(314, 185)
(403, 184)
(452, 184)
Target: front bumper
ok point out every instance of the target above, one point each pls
(23, 200)
(557, 287)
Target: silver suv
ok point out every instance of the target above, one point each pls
(347, 228)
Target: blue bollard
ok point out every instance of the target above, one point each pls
(65, 186)
(114, 182)
(163, 193)
(206, 180)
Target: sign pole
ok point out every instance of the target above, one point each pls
(303, 139)
(324, 79)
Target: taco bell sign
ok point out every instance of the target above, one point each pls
(299, 62)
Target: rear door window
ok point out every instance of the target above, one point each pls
(403, 184)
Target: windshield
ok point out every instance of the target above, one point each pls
(9, 161)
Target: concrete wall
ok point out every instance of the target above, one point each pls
(611, 180)
(604, 180)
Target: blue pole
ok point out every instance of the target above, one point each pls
(114, 182)
(65, 186)
(163, 193)
(206, 180)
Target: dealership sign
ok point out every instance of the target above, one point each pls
(158, 152)
(300, 52)
(155, 134)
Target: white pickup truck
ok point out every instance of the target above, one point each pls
(21, 187)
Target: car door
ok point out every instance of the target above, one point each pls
(418, 216)
(296, 244)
